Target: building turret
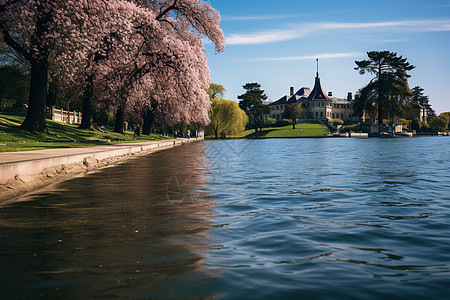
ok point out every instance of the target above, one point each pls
(317, 92)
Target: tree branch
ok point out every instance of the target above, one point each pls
(13, 44)
(162, 12)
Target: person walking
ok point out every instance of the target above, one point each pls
(137, 131)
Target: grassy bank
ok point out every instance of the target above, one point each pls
(60, 135)
(301, 130)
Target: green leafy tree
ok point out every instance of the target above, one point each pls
(389, 86)
(216, 91)
(226, 118)
(251, 103)
(292, 112)
(446, 116)
(438, 123)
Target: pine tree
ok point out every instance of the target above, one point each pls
(389, 84)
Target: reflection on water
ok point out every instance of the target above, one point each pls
(135, 229)
(244, 219)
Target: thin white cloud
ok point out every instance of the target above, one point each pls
(301, 30)
(389, 41)
(308, 57)
(264, 37)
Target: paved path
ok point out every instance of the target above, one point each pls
(33, 162)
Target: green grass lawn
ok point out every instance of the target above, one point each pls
(301, 130)
(60, 135)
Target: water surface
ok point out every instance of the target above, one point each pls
(241, 219)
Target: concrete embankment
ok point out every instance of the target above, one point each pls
(25, 171)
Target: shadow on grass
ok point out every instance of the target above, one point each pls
(10, 131)
(259, 134)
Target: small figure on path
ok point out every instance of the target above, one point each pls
(137, 131)
(188, 133)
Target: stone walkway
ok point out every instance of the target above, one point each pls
(33, 162)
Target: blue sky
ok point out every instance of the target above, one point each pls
(275, 43)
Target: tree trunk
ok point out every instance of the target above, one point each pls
(149, 118)
(87, 118)
(35, 119)
(380, 112)
(118, 127)
(380, 107)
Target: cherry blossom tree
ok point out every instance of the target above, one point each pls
(41, 31)
(164, 76)
(128, 54)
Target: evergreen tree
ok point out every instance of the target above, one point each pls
(422, 100)
(387, 90)
(251, 103)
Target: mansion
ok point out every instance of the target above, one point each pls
(316, 105)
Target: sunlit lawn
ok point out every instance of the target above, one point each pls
(301, 130)
(60, 135)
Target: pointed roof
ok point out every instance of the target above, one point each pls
(317, 92)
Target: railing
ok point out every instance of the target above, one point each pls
(61, 115)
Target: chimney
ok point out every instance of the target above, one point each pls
(330, 94)
(291, 91)
(349, 96)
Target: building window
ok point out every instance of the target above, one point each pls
(321, 114)
(342, 116)
(317, 114)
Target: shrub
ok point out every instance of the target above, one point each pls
(336, 122)
(416, 124)
(103, 118)
(404, 122)
(426, 127)
(270, 121)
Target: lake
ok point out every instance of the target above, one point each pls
(240, 219)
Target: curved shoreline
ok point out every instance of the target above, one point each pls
(24, 172)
